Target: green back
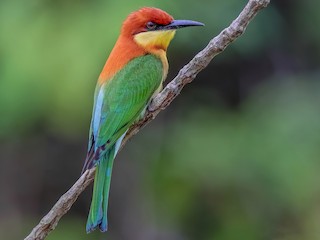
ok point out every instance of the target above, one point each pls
(119, 101)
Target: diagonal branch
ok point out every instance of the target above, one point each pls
(186, 75)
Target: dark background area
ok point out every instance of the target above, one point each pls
(235, 156)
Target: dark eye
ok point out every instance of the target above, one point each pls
(151, 25)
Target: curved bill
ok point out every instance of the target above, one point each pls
(175, 24)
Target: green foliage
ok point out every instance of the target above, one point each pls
(253, 173)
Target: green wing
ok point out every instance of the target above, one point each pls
(119, 102)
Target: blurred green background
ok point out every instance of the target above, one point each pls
(235, 156)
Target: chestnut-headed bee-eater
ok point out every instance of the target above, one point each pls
(132, 75)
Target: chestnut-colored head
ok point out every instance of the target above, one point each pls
(144, 20)
(153, 28)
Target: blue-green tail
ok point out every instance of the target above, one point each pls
(99, 203)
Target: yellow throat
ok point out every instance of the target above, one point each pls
(154, 40)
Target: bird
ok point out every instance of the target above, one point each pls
(132, 75)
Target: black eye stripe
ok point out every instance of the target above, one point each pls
(152, 26)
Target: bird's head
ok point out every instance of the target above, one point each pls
(153, 28)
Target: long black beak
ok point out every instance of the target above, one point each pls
(175, 24)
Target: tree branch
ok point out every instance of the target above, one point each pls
(186, 75)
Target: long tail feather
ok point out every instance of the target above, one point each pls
(99, 203)
(104, 224)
